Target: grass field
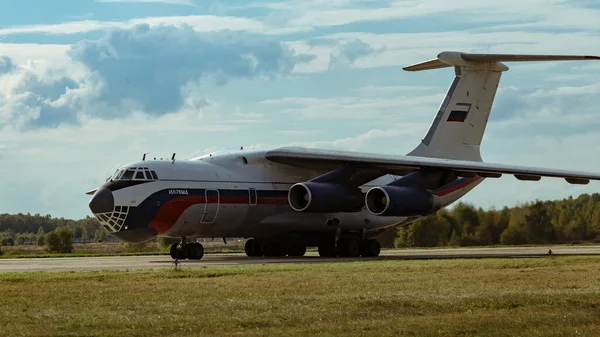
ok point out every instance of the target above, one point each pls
(557, 296)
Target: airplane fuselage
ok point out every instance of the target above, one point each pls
(234, 194)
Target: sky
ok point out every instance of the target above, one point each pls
(89, 85)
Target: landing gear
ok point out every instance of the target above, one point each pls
(195, 251)
(183, 250)
(327, 249)
(370, 248)
(296, 251)
(253, 248)
(256, 248)
(350, 247)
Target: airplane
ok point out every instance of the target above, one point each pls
(286, 199)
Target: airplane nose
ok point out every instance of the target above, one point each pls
(102, 201)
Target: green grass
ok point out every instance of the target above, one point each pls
(557, 296)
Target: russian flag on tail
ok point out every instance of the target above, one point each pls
(460, 113)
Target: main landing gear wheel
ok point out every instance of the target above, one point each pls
(327, 249)
(192, 251)
(350, 248)
(370, 248)
(256, 248)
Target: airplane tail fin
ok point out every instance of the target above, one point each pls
(457, 129)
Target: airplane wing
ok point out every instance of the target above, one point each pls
(317, 158)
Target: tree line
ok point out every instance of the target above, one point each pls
(18, 229)
(571, 220)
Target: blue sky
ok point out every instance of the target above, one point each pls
(86, 86)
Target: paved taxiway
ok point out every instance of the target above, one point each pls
(210, 260)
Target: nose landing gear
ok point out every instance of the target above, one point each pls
(184, 250)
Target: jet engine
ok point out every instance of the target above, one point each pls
(401, 201)
(316, 197)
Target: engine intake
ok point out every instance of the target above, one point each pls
(401, 201)
(314, 197)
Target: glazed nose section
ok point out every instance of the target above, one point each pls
(102, 201)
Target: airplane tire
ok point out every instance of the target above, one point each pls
(327, 249)
(195, 251)
(370, 248)
(173, 251)
(253, 248)
(181, 252)
(297, 251)
(350, 248)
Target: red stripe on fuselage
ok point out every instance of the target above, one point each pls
(456, 187)
(171, 211)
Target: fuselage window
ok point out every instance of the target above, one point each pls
(127, 175)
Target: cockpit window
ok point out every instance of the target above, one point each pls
(134, 173)
(118, 174)
(127, 175)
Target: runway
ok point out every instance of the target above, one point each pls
(212, 260)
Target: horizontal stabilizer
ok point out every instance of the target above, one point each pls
(91, 192)
(488, 61)
(427, 65)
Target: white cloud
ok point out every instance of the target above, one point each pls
(24, 52)
(505, 14)
(304, 16)
(122, 74)
(201, 23)
(77, 158)
(401, 49)
(372, 109)
(362, 142)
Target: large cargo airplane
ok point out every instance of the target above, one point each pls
(289, 198)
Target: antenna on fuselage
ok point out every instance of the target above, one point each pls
(173, 157)
(144, 156)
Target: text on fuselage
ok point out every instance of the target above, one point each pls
(178, 191)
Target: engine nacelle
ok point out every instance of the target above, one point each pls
(314, 197)
(401, 201)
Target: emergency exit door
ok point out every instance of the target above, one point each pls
(211, 206)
